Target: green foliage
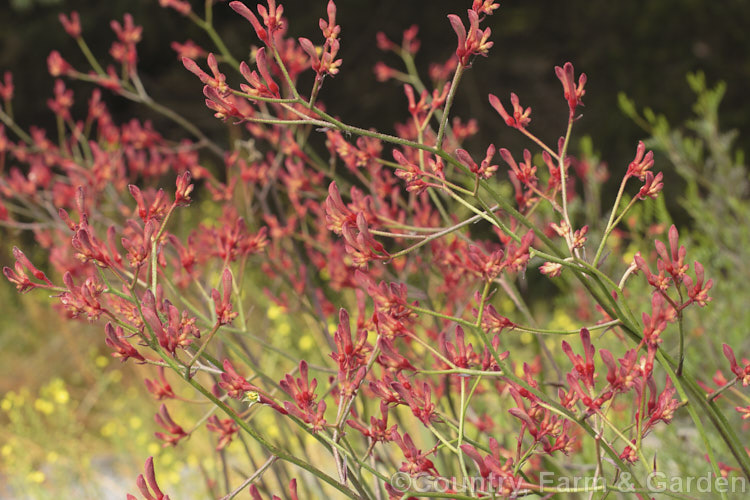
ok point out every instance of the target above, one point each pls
(716, 199)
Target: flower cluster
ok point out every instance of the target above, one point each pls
(371, 285)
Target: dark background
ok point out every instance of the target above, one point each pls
(643, 48)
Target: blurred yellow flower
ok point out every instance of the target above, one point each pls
(44, 406)
(36, 476)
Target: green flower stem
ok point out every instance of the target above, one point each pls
(11, 124)
(448, 103)
(693, 414)
(482, 303)
(207, 26)
(442, 439)
(598, 326)
(202, 348)
(258, 98)
(462, 322)
(713, 395)
(288, 78)
(610, 225)
(461, 418)
(563, 175)
(540, 143)
(155, 246)
(90, 57)
(250, 480)
(440, 234)
(625, 439)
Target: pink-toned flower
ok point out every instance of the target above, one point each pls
(475, 42)
(225, 428)
(181, 6)
(71, 24)
(174, 431)
(189, 49)
(6, 87)
(271, 18)
(18, 275)
(223, 304)
(487, 7)
(551, 269)
(520, 118)
(257, 87)
(416, 461)
(642, 162)
(147, 485)
(116, 340)
(218, 81)
(159, 387)
(57, 66)
(303, 393)
(741, 372)
(572, 93)
(652, 186)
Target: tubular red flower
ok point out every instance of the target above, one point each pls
(572, 93)
(71, 24)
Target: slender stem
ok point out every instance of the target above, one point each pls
(563, 175)
(207, 26)
(717, 392)
(442, 438)
(89, 56)
(540, 143)
(11, 124)
(251, 479)
(448, 103)
(482, 302)
(608, 228)
(202, 348)
(440, 234)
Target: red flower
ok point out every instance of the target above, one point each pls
(584, 367)
(84, 299)
(418, 397)
(652, 187)
(218, 81)
(337, 213)
(475, 42)
(362, 246)
(520, 118)
(271, 18)
(174, 432)
(379, 430)
(184, 188)
(303, 393)
(226, 429)
(181, 6)
(72, 24)
(144, 483)
(742, 372)
(641, 163)
(6, 87)
(572, 93)
(160, 388)
(416, 461)
(128, 32)
(270, 88)
(18, 276)
(116, 340)
(223, 305)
